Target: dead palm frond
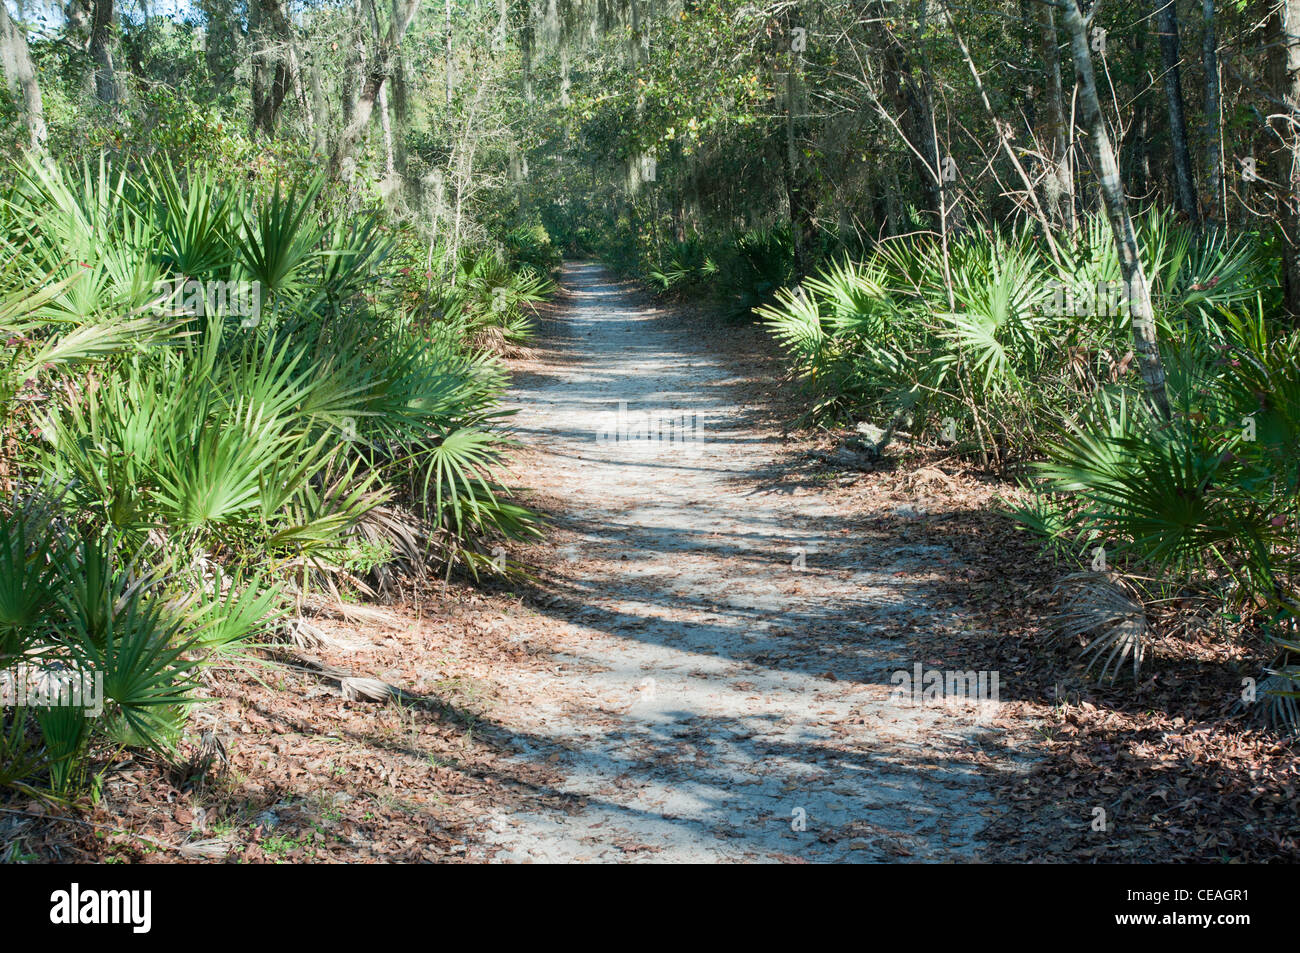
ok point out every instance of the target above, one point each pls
(1106, 612)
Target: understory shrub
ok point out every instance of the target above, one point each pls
(217, 398)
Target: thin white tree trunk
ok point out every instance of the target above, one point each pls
(1116, 205)
(20, 76)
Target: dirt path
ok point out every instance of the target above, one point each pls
(711, 700)
(670, 687)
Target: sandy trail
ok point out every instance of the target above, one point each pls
(711, 700)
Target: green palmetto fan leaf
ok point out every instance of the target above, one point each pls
(30, 572)
(456, 470)
(120, 628)
(761, 262)
(492, 515)
(461, 498)
(285, 380)
(1261, 379)
(82, 226)
(1165, 505)
(1156, 491)
(1000, 296)
(530, 246)
(1089, 254)
(280, 241)
(855, 295)
(195, 221)
(100, 586)
(208, 474)
(142, 658)
(1049, 516)
(25, 310)
(90, 342)
(1195, 276)
(40, 338)
(684, 263)
(401, 387)
(65, 730)
(795, 320)
(1219, 273)
(1089, 453)
(355, 249)
(314, 521)
(488, 294)
(915, 269)
(103, 446)
(235, 609)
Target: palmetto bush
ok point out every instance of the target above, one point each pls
(72, 603)
(199, 466)
(1004, 340)
(751, 271)
(836, 331)
(490, 301)
(683, 266)
(529, 247)
(1204, 503)
(1023, 355)
(978, 357)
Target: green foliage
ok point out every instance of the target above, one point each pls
(80, 608)
(212, 462)
(491, 302)
(760, 263)
(686, 267)
(1203, 502)
(1021, 358)
(529, 247)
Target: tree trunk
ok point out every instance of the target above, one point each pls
(380, 65)
(320, 131)
(527, 36)
(447, 47)
(20, 76)
(1284, 69)
(912, 101)
(385, 116)
(796, 175)
(1060, 182)
(77, 23)
(565, 85)
(893, 209)
(1138, 292)
(803, 230)
(354, 71)
(101, 51)
(401, 104)
(221, 51)
(1213, 121)
(295, 71)
(270, 34)
(1138, 147)
(1184, 180)
(76, 31)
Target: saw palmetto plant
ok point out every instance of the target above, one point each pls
(1024, 356)
(198, 470)
(1205, 501)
